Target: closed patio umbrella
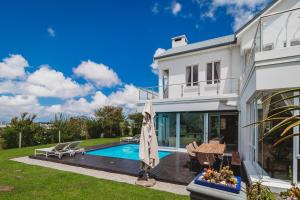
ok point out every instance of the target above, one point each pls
(148, 149)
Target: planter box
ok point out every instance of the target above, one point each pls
(218, 186)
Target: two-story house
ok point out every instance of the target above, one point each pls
(214, 88)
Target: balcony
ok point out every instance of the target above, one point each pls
(212, 88)
(275, 33)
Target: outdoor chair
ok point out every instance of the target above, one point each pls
(195, 145)
(74, 147)
(58, 150)
(193, 158)
(206, 159)
(135, 138)
(236, 163)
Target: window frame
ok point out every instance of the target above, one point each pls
(192, 83)
(213, 66)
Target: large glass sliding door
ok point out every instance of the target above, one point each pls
(213, 125)
(277, 161)
(166, 129)
(191, 128)
(179, 129)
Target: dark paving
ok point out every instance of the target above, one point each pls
(172, 168)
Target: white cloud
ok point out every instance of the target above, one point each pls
(240, 10)
(46, 82)
(22, 95)
(126, 97)
(99, 74)
(13, 67)
(51, 32)
(154, 65)
(11, 106)
(176, 7)
(81, 106)
(155, 8)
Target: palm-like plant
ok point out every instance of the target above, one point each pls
(278, 114)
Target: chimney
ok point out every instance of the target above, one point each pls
(179, 41)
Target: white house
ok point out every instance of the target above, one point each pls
(214, 88)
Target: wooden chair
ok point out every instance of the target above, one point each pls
(236, 163)
(195, 145)
(190, 150)
(206, 159)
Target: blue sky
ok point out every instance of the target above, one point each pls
(74, 56)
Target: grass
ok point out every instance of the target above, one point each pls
(34, 182)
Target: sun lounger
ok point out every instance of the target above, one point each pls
(135, 138)
(74, 147)
(58, 150)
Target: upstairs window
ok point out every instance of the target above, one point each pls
(192, 75)
(213, 73)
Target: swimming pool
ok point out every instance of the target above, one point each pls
(125, 151)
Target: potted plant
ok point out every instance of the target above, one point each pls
(291, 194)
(257, 191)
(222, 180)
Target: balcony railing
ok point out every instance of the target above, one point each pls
(274, 31)
(200, 88)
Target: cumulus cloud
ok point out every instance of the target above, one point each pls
(241, 10)
(175, 7)
(22, 95)
(47, 82)
(13, 67)
(99, 74)
(154, 65)
(125, 97)
(11, 106)
(51, 32)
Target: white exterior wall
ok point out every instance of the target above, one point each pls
(230, 68)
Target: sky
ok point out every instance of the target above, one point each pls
(72, 57)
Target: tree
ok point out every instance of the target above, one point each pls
(278, 115)
(136, 122)
(110, 117)
(32, 133)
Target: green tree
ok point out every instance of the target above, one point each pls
(135, 121)
(32, 133)
(110, 117)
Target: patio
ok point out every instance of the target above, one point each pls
(172, 168)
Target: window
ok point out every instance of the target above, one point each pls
(213, 73)
(192, 75)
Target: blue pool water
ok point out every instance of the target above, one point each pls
(126, 151)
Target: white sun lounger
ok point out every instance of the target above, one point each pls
(58, 150)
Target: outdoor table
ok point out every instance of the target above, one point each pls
(211, 148)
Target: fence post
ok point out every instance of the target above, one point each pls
(58, 136)
(20, 139)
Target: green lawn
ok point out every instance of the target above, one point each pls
(33, 182)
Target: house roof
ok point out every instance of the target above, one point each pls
(207, 44)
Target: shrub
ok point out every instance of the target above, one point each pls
(257, 191)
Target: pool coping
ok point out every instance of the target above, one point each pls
(123, 144)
